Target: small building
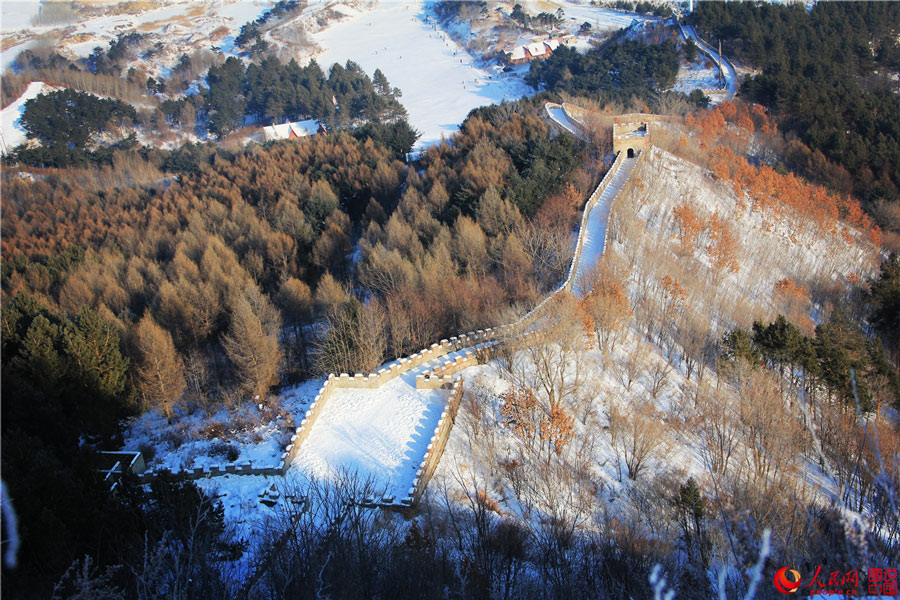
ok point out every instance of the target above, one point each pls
(293, 131)
(538, 50)
(516, 56)
(527, 52)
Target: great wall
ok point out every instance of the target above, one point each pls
(631, 134)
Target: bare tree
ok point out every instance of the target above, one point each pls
(552, 361)
(771, 433)
(637, 434)
(607, 303)
(630, 366)
(658, 377)
(717, 428)
(356, 340)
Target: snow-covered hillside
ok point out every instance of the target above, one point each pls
(440, 80)
(643, 392)
(181, 27)
(11, 131)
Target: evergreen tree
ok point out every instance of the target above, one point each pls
(884, 300)
(738, 344)
(843, 354)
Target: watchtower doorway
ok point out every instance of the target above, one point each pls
(630, 153)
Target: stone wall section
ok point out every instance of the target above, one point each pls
(436, 447)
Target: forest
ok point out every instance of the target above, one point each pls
(826, 73)
(274, 92)
(235, 95)
(617, 71)
(66, 124)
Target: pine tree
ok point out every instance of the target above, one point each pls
(884, 298)
(98, 372)
(692, 510)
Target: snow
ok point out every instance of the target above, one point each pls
(298, 128)
(601, 19)
(259, 436)
(700, 76)
(380, 433)
(239, 495)
(345, 10)
(768, 252)
(242, 11)
(730, 75)
(181, 26)
(440, 80)
(12, 133)
(597, 220)
(17, 14)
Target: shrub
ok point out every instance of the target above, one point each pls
(213, 430)
(229, 451)
(148, 451)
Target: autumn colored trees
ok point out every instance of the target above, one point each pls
(160, 371)
(284, 228)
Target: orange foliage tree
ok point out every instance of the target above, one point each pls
(689, 225)
(723, 245)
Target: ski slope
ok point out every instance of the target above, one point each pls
(11, 131)
(440, 80)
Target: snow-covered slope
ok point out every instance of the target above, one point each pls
(440, 81)
(11, 131)
(644, 375)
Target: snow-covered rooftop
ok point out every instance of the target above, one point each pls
(285, 130)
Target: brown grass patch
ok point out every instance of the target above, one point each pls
(12, 40)
(218, 33)
(79, 38)
(183, 20)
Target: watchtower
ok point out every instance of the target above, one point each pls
(631, 137)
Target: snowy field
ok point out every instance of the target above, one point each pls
(440, 81)
(17, 14)
(601, 19)
(11, 131)
(701, 75)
